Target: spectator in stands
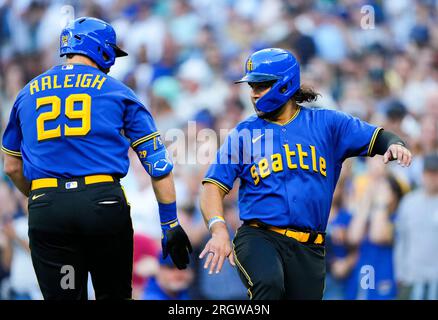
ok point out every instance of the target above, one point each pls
(169, 283)
(341, 257)
(416, 261)
(372, 231)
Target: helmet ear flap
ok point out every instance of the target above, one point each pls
(284, 88)
(102, 53)
(105, 56)
(287, 87)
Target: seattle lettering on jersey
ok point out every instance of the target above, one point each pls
(287, 176)
(78, 80)
(297, 158)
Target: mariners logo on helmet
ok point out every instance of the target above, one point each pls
(249, 65)
(64, 40)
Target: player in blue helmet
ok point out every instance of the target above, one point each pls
(93, 38)
(66, 148)
(276, 69)
(288, 159)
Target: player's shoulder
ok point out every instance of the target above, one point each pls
(327, 115)
(112, 86)
(318, 111)
(120, 87)
(317, 114)
(249, 123)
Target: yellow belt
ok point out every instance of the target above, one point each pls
(297, 235)
(53, 182)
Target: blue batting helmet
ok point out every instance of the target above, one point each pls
(277, 65)
(93, 38)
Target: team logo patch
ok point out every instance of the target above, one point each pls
(249, 65)
(64, 40)
(71, 185)
(67, 67)
(161, 165)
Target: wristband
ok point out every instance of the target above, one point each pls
(214, 220)
(167, 212)
(383, 141)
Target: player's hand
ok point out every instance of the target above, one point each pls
(217, 249)
(399, 153)
(175, 242)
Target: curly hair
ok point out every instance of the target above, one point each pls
(305, 94)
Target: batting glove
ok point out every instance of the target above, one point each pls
(175, 242)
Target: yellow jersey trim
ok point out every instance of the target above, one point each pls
(217, 183)
(373, 140)
(290, 120)
(11, 152)
(145, 138)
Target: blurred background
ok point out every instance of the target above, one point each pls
(377, 60)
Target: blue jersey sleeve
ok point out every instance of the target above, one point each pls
(227, 165)
(145, 139)
(352, 136)
(139, 126)
(12, 137)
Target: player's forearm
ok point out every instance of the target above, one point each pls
(13, 167)
(211, 205)
(164, 189)
(21, 183)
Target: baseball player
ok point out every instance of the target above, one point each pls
(66, 147)
(288, 159)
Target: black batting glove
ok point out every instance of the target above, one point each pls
(175, 243)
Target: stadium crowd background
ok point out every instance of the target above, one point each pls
(183, 58)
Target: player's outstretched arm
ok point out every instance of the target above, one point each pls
(218, 248)
(392, 147)
(13, 167)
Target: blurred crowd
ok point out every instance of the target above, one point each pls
(377, 60)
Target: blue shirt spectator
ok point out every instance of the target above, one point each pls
(170, 283)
